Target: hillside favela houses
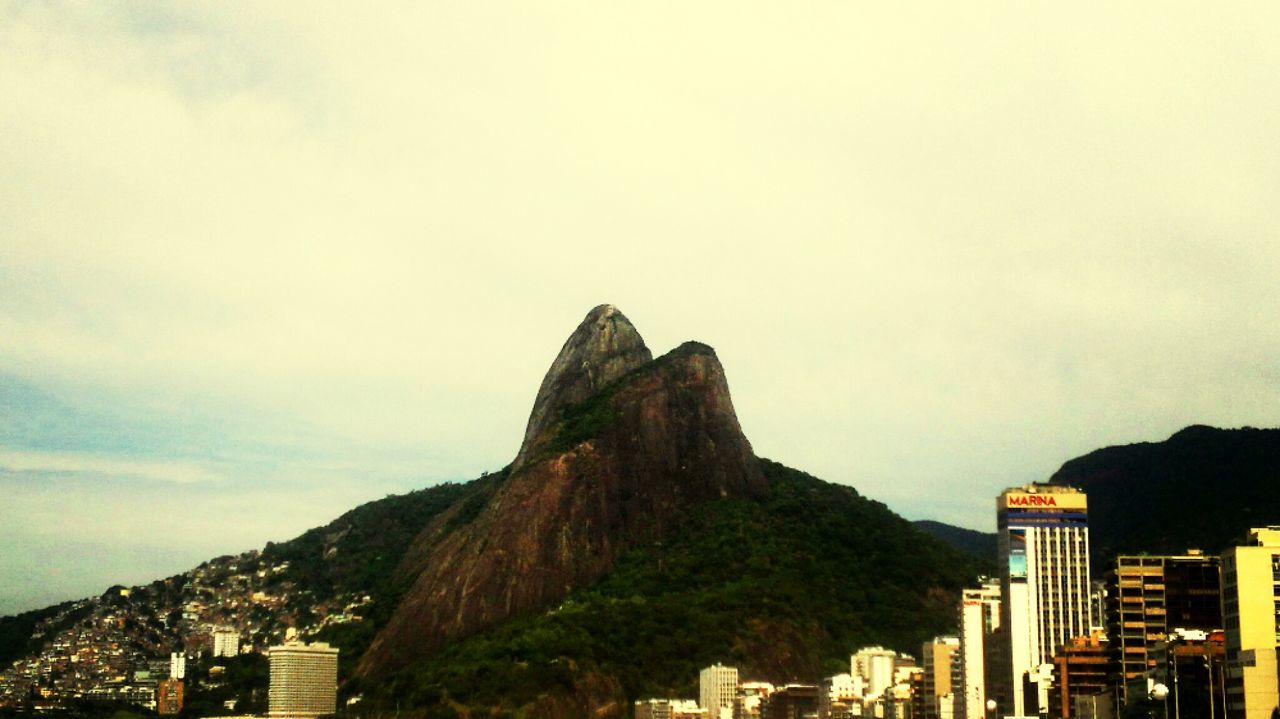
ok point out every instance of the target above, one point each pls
(1185, 636)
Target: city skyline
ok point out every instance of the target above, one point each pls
(263, 264)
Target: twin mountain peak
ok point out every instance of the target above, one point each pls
(617, 445)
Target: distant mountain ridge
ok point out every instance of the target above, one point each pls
(980, 545)
(1201, 488)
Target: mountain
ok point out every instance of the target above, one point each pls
(981, 545)
(635, 538)
(617, 447)
(1202, 487)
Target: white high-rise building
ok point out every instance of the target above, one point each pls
(979, 618)
(1043, 535)
(304, 680)
(226, 642)
(177, 665)
(717, 688)
(875, 665)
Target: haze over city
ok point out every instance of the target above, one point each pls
(262, 264)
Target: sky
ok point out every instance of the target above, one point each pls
(263, 262)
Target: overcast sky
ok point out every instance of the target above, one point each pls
(261, 262)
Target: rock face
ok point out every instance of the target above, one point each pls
(617, 446)
(603, 348)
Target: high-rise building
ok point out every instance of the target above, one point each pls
(717, 688)
(1251, 620)
(304, 680)
(979, 619)
(1148, 597)
(875, 665)
(226, 642)
(177, 665)
(1043, 537)
(939, 656)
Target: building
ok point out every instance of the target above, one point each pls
(1043, 538)
(1079, 669)
(793, 701)
(840, 698)
(1189, 662)
(979, 620)
(717, 689)
(750, 698)
(940, 657)
(177, 665)
(1251, 620)
(667, 709)
(1148, 597)
(226, 642)
(169, 697)
(304, 680)
(875, 666)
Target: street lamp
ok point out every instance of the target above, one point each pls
(1160, 693)
(991, 709)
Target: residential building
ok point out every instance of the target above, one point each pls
(304, 680)
(875, 666)
(226, 642)
(1043, 539)
(1150, 596)
(177, 665)
(717, 689)
(750, 697)
(169, 697)
(979, 620)
(1251, 620)
(841, 697)
(1079, 669)
(940, 656)
(667, 709)
(793, 701)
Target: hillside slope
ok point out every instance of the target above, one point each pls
(784, 586)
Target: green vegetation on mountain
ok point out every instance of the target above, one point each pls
(981, 545)
(1201, 488)
(785, 587)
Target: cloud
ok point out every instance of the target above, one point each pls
(69, 464)
(940, 249)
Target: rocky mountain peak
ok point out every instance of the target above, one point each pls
(604, 347)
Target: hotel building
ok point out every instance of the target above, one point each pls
(304, 680)
(1043, 536)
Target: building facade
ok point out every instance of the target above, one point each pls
(1251, 622)
(1079, 670)
(717, 689)
(304, 680)
(940, 657)
(979, 619)
(1147, 598)
(1043, 537)
(226, 642)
